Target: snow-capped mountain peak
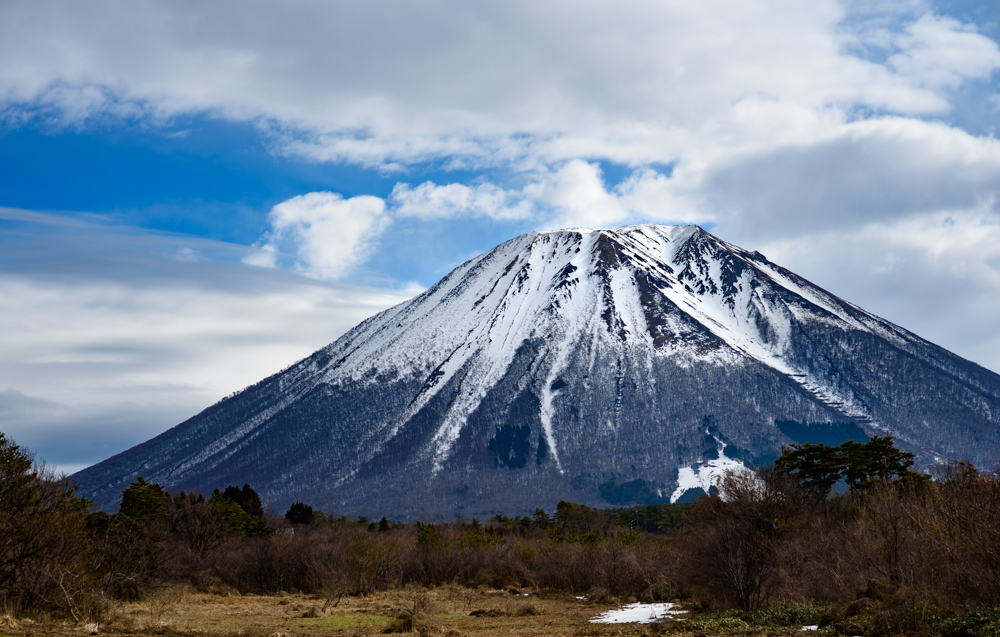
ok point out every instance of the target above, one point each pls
(575, 359)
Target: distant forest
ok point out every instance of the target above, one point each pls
(849, 533)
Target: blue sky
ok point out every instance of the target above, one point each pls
(216, 179)
(194, 196)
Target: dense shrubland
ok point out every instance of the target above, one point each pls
(848, 536)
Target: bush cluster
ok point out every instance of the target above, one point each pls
(55, 555)
(888, 551)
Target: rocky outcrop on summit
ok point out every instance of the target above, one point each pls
(600, 366)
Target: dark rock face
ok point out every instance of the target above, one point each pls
(604, 367)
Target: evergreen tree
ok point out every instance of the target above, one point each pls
(860, 465)
(816, 467)
(877, 460)
(239, 520)
(300, 513)
(542, 519)
(247, 498)
(251, 502)
(145, 502)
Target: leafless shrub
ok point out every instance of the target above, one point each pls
(735, 550)
(163, 602)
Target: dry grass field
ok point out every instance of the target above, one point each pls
(446, 611)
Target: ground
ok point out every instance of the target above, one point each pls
(446, 611)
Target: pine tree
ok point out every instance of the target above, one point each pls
(860, 465)
(300, 513)
(239, 520)
(145, 502)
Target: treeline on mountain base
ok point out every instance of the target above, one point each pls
(888, 542)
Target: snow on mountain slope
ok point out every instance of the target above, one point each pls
(555, 284)
(612, 357)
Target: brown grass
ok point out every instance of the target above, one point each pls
(443, 611)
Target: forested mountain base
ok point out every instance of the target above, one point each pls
(896, 554)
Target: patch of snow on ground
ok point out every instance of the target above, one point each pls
(638, 613)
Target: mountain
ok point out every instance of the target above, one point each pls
(600, 366)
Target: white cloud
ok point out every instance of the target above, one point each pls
(939, 52)
(579, 196)
(514, 83)
(262, 255)
(651, 196)
(575, 194)
(106, 345)
(865, 171)
(431, 201)
(330, 235)
(861, 172)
